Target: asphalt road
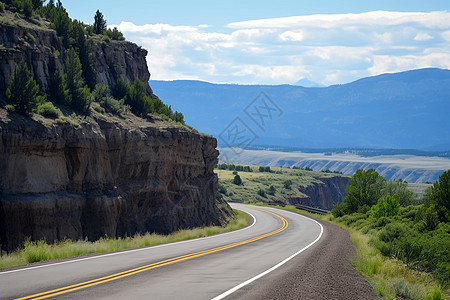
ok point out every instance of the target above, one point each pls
(207, 268)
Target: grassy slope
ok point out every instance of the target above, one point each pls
(40, 250)
(254, 181)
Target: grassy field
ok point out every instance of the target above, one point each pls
(253, 183)
(40, 250)
(390, 278)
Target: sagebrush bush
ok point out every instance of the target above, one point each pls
(47, 109)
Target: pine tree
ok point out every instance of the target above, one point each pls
(99, 23)
(57, 89)
(121, 89)
(81, 97)
(82, 47)
(137, 100)
(23, 90)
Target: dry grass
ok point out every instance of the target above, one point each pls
(40, 250)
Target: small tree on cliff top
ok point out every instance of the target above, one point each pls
(99, 23)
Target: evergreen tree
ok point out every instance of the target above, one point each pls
(61, 22)
(439, 197)
(136, 99)
(74, 78)
(80, 95)
(121, 89)
(99, 23)
(37, 4)
(237, 180)
(81, 45)
(23, 90)
(57, 89)
(25, 6)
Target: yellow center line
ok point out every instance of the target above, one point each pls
(86, 284)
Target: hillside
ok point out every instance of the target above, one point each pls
(405, 110)
(289, 187)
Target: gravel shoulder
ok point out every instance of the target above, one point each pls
(323, 271)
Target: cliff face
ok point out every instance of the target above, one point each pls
(43, 50)
(323, 195)
(63, 181)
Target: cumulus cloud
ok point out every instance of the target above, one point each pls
(326, 49)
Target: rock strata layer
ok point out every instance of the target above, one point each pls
(103, 178)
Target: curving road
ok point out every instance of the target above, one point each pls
(208, 268)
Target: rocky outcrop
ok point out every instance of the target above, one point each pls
(104, 177)
(322, 195)
(44, 51)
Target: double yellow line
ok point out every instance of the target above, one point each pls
(86, 284)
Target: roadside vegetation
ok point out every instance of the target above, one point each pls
(258, 184)
(403, 243)
(397, 229)
(35, 251)
(75, 86)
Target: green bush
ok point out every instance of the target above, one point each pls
(386, 207)
(48, 109)
(272, 190)
(262, 193)
(237, 180)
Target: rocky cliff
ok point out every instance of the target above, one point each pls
(324, 194)
(61, 180)
(43, 51)
(85, 178)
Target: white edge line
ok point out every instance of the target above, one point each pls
(239, 286)
(136, 250)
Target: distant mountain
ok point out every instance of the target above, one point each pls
(408, 110)
(305, 82)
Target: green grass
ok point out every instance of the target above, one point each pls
(40, 250)
(255, 181)
(389, 277)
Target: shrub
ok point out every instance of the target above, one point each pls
(237, 180)
(49, 110)
(114, 34)
(222, 189)
(121, 89)
(386, 207)
(272, 190)
(262, 193)
(287, 184)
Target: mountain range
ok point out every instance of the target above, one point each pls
(407, 110)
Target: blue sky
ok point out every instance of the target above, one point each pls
(279, 42)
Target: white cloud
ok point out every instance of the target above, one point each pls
(423, 36)
(327, 49)
(438, 19)
(446, 35)
(295, 36)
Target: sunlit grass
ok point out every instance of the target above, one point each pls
(40, 250)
